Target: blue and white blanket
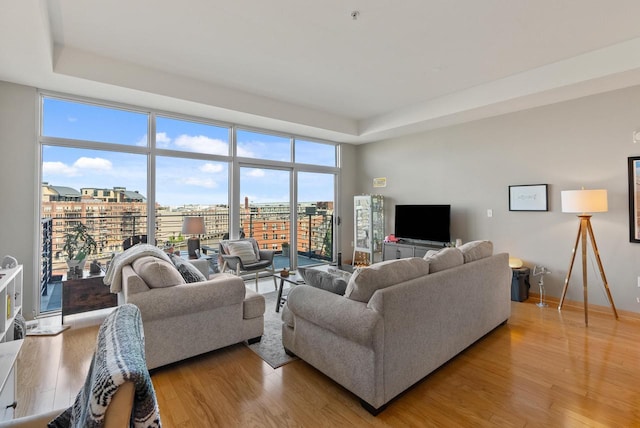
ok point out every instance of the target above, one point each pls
(119, 357)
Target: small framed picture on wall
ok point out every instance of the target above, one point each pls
(528, 197)
(634, 195)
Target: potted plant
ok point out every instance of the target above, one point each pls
(78, 244)
(285, 249)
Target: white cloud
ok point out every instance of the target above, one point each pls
(245, 153)
(72, 119)
(207, 183)
(212, 168)
(58, 168)
(99, 164)
(162, 140)
(202, 144)
(256, 173)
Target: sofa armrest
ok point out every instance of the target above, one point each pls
(346, 318)
(132, 283)
(222, 290)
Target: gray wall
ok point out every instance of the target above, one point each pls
(584, 142)
(348, 188)
(579, 143)
(19, 177)
(19, 225)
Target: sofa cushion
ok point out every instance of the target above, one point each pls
(332, 282)
(157, 273)
(365, 281)
(476, 250)
(244, 250)
(189, 272)
(253, 305)
(444, 259)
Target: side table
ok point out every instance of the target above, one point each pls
(293, 279)
(520, 284)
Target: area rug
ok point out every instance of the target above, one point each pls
(270, 348)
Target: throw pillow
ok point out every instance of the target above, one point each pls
(334, 283)
(244, 250)
(366, 281)
(156, 273)
(476, 250)
(444, 259)
(189, 272)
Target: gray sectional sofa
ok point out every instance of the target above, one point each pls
(397, 323)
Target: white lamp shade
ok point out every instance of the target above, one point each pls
(584, 201)
(193, 226)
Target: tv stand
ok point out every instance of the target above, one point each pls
(405, 249)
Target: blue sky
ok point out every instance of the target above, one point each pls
(179, 181)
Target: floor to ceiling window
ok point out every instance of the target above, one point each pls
(105, 167)
(315, 214)
(197, 185)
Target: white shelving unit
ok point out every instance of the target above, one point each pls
(368, 225)
(10, 300)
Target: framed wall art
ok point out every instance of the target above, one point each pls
(528, 197)
(634, 196)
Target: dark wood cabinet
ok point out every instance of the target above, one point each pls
(86, 294)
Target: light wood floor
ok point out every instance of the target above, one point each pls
(543, 369)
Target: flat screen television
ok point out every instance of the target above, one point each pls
(423, 222)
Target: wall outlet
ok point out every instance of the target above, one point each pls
(639, 281)
(490, 214)
(638, 299)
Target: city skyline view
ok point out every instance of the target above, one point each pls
(179, 181)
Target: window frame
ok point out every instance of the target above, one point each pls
(151, 151)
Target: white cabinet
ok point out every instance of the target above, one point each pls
(10, 300)
(393, 250)
(8, 355)
(368, 225)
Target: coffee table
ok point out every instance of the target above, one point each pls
(296, 279)
(293, 279)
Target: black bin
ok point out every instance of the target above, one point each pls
(520, 284)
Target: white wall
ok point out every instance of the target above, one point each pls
(584, 142)
(19, 176)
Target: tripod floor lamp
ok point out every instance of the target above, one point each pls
(583, 202)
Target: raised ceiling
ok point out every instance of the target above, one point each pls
(309, 68)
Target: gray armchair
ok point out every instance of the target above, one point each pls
(244, 256)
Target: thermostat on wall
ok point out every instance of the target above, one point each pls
(380, 182)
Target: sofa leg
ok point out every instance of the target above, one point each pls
(289, 353)
(369, 408)
(254, 340)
